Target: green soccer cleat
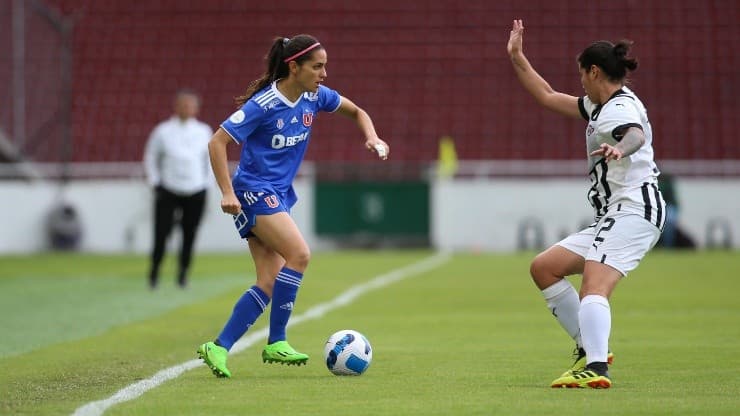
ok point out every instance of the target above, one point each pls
(281, 352)
(586, 378)
(580, 363)
(215, 357)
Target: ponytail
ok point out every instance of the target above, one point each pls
(298, 49)
(612, 59)
(621, 49)
(276, 69)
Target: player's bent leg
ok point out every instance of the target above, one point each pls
(214, 356)
(281, 352)
(553, 264)
(279, 233)
(549, 270)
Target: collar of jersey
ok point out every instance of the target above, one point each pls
(283, 98)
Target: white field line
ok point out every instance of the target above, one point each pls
(135, 390)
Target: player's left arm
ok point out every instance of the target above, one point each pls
(372, 142)
(621, 120)
(631, 141)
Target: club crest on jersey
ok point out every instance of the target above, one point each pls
(280, 123)
(307, 119)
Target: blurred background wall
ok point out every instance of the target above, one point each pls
(85, 81)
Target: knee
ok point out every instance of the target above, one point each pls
(299, 260)
(541, 272)
(537, 267)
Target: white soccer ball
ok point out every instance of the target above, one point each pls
(348, 353)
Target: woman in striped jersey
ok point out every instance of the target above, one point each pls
(629, 209)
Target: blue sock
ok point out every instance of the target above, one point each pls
(247, 309)
(283, 294)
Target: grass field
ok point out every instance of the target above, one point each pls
(471, 336)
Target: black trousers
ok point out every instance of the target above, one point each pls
(168, 209)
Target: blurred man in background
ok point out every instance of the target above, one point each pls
(178, 169)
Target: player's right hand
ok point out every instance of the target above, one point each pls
(230, 204)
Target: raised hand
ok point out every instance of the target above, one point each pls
(515, 38)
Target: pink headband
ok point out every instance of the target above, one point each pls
(288, 59)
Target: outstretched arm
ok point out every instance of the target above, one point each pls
(372, 142)
(532, 81)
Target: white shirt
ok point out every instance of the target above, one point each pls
(628, 184)
(176, 156)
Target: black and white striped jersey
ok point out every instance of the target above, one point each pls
(629, 184)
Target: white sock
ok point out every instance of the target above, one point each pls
(562, 300)
(595, 319)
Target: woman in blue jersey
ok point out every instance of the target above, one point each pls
(628, 207)
(273, 126)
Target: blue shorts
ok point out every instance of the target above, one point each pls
(265, 201)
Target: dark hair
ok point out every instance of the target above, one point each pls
(611, 58)
(276, 66)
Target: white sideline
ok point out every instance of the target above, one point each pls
(135, 390)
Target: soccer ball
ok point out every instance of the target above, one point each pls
(347, 353)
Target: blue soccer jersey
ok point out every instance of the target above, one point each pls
(274, 134)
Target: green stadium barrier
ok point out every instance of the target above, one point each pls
(380, 210)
